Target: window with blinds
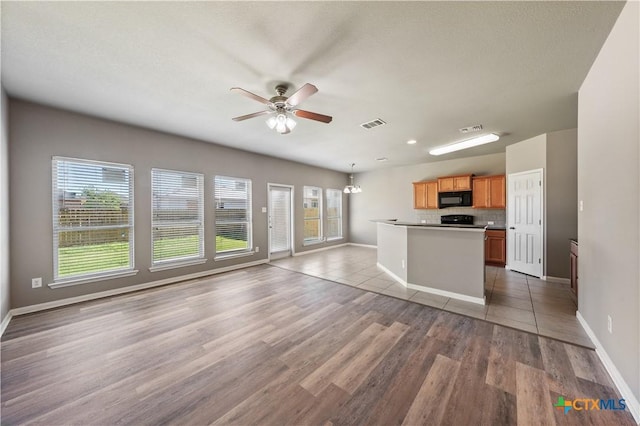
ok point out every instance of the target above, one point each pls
(233, 214)
(177, 216)
(334, 213)
(312, 205)
(92, 218)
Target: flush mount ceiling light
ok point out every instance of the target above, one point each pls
(412, 142)
(469, 143)
(351, 188)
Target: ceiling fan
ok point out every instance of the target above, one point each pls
(282, 107)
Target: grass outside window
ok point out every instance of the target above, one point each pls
(86, 259)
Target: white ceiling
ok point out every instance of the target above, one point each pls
(426, 68)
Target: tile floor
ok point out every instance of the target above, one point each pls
(513, 299)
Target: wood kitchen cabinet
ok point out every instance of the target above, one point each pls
(489, 192)
(495, 247)
(573, 257)
(454, 183)
(425, 195)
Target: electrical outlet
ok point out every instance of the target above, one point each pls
(490, 222)
(257, 249)
(581, 205)
(36, 282)
(264, 210)
(402, 263)
(423, 221)
(609, 324)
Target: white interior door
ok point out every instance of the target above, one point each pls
(280, 224)
(524, 222)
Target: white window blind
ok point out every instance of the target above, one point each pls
(92, 218)
(177, 216)
(312, 205)
(334, 213)
(233, 214)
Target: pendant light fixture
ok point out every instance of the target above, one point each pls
(351, 188)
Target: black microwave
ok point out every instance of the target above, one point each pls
(455, 199)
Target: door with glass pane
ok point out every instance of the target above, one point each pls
(280, 225)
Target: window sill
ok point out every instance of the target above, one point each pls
(313, 242)
(178, 264)
(233, 255)
(92, 279)
(335, 239)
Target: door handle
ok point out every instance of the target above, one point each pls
(512, 227)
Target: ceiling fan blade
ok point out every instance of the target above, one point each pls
(303, 93)
(312, 116)
(255, 114)
(251, 95)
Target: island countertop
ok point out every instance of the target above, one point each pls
(433, 225)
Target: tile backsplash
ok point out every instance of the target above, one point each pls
(481, 216)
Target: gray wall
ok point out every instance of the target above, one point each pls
(38, 133)
(527, 155)
(609, 185)
(561, 199)
(4, 206)
(388, 193)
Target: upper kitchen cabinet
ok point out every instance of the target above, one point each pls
(454, 183)
(489, 192)
(425, 195)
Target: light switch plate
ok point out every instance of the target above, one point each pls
(264, 210)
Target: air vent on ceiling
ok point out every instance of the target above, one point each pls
(373, 123)
(471, 129)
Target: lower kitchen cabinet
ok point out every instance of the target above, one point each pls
(495, 247)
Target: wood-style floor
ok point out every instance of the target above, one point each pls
(268, 346)
(513, 299)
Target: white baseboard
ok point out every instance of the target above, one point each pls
(391, 274)
(452, 295)
(556, 279)
(5, 322)
(618, 380)
(363, 245)
(302, 253)
(64, 302)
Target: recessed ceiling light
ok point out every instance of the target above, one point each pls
(412, 142)
(480, 140)
(382, 159)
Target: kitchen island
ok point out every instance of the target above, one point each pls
(447, 260)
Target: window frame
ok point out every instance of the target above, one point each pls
(225, 254)
(56, 188)
(175, 262)
(319, 219)
(338, 196)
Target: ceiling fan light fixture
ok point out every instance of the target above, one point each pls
(469, 143)
(281, 123)
(281, 108)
